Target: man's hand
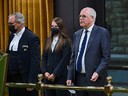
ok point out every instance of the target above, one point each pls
(94, 77)
(47, 75)
(29, 89)
(69, 82)
(51, 77)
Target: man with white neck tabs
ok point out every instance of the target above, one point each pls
(90, 54)
(24, 56)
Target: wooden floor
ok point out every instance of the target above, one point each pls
(6, 95)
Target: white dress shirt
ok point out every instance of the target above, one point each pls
(83, 57)
(15, 41)
(54, 42)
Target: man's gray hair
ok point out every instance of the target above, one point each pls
(18, 17)
(92, 13)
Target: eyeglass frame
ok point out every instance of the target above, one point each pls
(10, 23)
(83, 16)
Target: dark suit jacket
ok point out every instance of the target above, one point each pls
(97, 55)
(56, 62)
(28, 57)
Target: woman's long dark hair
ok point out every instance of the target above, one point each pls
(62, 36)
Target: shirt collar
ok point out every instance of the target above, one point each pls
(56, 38)
(89, 29)
(21, 32)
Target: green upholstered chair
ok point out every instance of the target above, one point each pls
(3, 71)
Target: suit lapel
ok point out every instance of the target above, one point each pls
(78, 37)
(23, 40)
(12, 35)
(10, 39)
(92, 36)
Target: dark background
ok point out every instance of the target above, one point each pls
(69, 11)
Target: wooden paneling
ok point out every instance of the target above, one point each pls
(10, 6)
(6, 31)
(14, 6)
(30, 14)
(2, 26)
(25, 11)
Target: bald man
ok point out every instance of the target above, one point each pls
(90, 54)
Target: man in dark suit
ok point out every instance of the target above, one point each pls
(90, 54)
(24, 59)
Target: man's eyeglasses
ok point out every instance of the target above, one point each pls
(83, 16)
(11, 23)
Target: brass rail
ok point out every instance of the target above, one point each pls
(22, 85)
(108, 89)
